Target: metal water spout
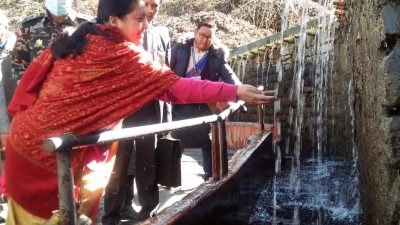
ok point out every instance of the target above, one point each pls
(244, 59)
(290, 40)
(312, 31)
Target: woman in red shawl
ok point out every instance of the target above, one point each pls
(87, 82)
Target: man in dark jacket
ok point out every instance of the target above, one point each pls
(200, 58)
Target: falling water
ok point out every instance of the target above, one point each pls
(290, 191)
(323, 43)
(307, 192)
(268, 68)
(279, 69)
(322, 72)
(233, 64)
(243, 62)
(276, 148)
(241, 71)
(355, 174)
(266, 84)
(298, 77)
(258, 68)
(298, 84)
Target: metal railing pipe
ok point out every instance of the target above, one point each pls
(223, 151)
(66, 187)
(227, 112)
(54, 143)
(261, 117)
(215, 159)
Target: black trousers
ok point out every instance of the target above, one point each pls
(134, 159)
(195, 137)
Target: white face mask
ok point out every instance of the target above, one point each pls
(58, 7)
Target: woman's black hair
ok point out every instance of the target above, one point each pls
(75, 43)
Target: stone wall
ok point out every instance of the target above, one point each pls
(262, 66)
(360, 52)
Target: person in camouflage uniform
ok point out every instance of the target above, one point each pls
(39, 31)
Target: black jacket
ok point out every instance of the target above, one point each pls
(216, 69)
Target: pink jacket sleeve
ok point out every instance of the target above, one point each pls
(189, 90)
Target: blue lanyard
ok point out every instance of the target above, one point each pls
(195, 68)
(3, 45)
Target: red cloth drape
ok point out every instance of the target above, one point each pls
(106, 83)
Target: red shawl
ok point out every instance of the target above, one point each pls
(106, 83)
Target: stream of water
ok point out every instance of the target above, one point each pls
(318, 190)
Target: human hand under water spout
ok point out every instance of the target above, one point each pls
(247, 93)
(252, 95)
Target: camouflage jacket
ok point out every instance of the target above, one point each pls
(37, 33)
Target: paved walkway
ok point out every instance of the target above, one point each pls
(192, 176)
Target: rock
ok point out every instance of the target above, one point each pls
(391, 18)
(392, 65)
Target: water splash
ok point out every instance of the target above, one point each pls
(333, 205)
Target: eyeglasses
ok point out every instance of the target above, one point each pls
(205, 36)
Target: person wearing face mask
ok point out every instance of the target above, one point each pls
(39, 31)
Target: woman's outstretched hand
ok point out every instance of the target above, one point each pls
(252, 95)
